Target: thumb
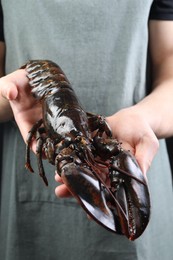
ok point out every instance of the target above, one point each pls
(145, 151)
(11, 84)
(9, 91)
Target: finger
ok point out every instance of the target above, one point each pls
(9, 84)
(58, 178)
(145, 152)
(61, 191)
(9, 91)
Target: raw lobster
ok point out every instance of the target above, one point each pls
(81, 147)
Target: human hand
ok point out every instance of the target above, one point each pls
(26, 110)
(130, 127)
(136, 135)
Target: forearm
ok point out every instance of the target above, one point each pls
(157, 107)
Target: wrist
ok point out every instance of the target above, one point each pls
(156, 109)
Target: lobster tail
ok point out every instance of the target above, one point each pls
(45, 77)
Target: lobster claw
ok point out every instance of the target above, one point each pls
(89, 192)
(131, 191)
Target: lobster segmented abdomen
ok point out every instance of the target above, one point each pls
(62, 112)
(45, 77)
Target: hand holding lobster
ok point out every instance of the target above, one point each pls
(26, 110)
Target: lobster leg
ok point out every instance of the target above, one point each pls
(98, 123)
(49, 150)
(39, 149)
(31, 134)
(36, 132)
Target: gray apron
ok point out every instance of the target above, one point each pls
(102, 47)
